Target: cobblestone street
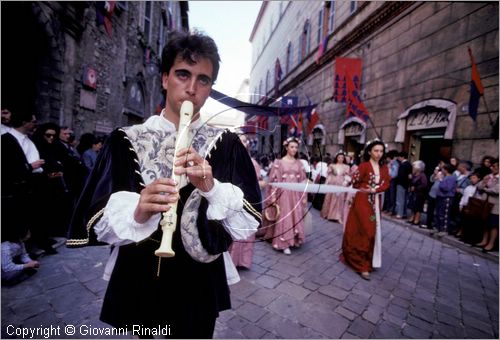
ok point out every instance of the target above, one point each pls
(426, 288)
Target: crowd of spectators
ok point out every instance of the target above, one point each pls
(42, 177)
(444, 198)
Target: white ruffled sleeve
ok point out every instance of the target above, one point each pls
(117, 225)
(225, 204)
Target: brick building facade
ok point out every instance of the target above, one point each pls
(416, 73)
(87, 65)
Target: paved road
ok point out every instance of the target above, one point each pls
(426, 288)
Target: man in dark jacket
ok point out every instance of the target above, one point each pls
(403, 180)
(21, 164)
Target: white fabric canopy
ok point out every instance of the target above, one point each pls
(313, 188)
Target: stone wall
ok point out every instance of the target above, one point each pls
(419, 54)
(63, 39)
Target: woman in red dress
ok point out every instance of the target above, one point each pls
(361, 245)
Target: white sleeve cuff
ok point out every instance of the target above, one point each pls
(225, 204)
(240, 226)
(231, 271)
(118, 226)
(224, 200)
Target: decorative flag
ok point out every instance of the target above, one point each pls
(476, 88)
(355, 106)
(293, 126)
(289, 101)
(353, 66)
(300, 124)
(251, 125)
(313, 119)
(277, 76)
(262, 122)
(104, 14)
(321, 49)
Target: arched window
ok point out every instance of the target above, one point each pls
(289, 58)
(135, 104)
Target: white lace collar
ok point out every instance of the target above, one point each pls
(160, 122)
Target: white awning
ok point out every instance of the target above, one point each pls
(450, 106)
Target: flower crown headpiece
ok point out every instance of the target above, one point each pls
(370, 142)
(291, 139)
(340, 152)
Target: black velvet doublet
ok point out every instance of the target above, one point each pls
(186, 290)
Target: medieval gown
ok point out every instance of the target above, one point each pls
(333, 205)
(362, 242)
(242, 251)
(185, 290)
(288, 229)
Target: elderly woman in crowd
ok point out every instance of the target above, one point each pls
(418, 188)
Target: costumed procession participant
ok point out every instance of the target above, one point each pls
(288, 229)
(320, 178)
(362, 242)
(242, 251)
(131, 184)
(338, 174)
(305, 163)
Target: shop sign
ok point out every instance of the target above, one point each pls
(353, 130)
(428, 119)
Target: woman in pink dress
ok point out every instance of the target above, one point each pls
(288, 229)
(338, 174)
(242, 251)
